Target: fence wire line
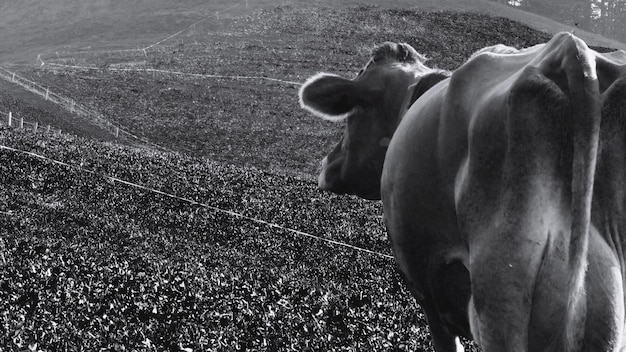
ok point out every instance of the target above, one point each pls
(70, 104)
(191, 25)
(173, 35)
(187, 200)
(203, 205)
(138, 49)
(177, 73)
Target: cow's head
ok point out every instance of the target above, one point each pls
(373, 104)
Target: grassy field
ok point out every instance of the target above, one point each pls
(256, 122)
(89, 263)
(33, 108)
(32, 27)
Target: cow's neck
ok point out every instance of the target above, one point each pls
(421, 85)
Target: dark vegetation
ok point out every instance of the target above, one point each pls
(87, 263)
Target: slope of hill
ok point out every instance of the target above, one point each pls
(90, 263)
(532, 20)
(255, 121)
(87, 263)
(31, 107)
(32, 27)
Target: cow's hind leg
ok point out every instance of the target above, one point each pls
(443, 340)
(445, 304)
(451, 290)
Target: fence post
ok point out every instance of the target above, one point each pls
(48, 130)
(21, 122)
(35, 126)
(10, 116)
(47, 93)
(13, 78)
(117, 132)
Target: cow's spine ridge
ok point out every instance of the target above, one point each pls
(586, 115)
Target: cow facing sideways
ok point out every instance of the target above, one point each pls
(512, 172)
(373, 104)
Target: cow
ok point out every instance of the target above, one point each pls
(504, 197)
(490, 176)
(373, 104)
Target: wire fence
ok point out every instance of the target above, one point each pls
(239, 215)
(11, 120)
(72, 106)
(99, 119)
(175, 73)
(62, 64)
(156, 46)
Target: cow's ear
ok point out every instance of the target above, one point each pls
(329, 96)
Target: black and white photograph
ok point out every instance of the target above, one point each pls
(290, 175)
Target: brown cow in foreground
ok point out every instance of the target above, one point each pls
(504, 188)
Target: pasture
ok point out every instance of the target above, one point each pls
(233, 119)
(91, 263)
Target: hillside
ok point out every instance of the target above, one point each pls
(88, 263)
(33, 27)
(225, 243)
(255, 121)
(31, 107)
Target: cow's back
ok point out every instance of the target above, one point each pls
(479, 172)
(426, 163)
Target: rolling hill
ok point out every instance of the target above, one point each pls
(33, 27)
(111, 247)
(204, 109)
